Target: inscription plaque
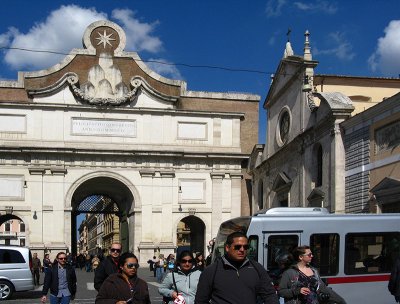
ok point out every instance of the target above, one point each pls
(103, 127)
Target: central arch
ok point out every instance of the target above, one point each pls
(104, 193)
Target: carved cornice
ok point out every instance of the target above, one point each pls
(81, 95)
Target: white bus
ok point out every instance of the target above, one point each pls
(354, 253)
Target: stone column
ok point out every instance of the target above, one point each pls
(168, 231)
(236, 194)
(216, 202)
(337, 201)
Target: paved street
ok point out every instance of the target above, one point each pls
(86, 293)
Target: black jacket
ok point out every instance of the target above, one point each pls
(51, 280)
(394, 281)
(223, 283)
(115, 288)
(106, 268)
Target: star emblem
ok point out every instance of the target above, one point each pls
(104, 39)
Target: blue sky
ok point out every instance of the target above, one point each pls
(359, 37)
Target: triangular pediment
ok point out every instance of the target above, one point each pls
(316, 194)
(388, 183)
(281, 182)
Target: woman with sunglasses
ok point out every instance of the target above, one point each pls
(124, 287)
(301, 283)
(182, 282)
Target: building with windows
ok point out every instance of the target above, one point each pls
(311, 157)
(101, 123)
(12, 232)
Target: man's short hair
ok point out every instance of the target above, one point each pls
(234, 235)
(116, 243)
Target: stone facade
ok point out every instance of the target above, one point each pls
(309, 154)
(372, 141)
(102, 123)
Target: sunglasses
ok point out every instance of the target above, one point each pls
(115, 250)
(308, 254)
(132, 265)
(238, 247)
(186, 261)
(62, 259)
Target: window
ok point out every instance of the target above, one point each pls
(325, 249)
(318, 182)
(260, 195)
(22, 226)
(373, 252)
(22, 242)
(8, 256)
(277, 246)
(7, 242)
(284, 124)
(252, 253)
(7, 227)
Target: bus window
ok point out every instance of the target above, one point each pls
(373, 252)
(277, 246)
(325, 249)
(252, 253)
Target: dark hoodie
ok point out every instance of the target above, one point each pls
(116, 288)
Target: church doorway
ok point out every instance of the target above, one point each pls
(190, 234)
(101, 215)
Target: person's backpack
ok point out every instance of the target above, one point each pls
(171, 265)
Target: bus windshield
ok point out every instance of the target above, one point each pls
(226, 228)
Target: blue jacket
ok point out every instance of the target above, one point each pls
(186, 285)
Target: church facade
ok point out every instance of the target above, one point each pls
(319, 149)
(100, 132)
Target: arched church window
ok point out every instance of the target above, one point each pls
(260, 195)
(319, 168)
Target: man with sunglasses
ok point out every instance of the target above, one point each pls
(108, 266)
(61, 280)
(234, 279)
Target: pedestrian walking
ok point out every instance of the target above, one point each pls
(160, 268)
(108, 266)
(394, 281)
(200, 262)
(36, 268)
(126, 286)
(46, 263)
(61, 280)
(301, 283)
(235, 279)
(95, 262)
(182, 282)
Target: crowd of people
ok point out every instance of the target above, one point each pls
(188, 279)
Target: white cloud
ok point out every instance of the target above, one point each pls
(164, 68)
(63, 30)
(274, 7)
(138, 34)
(318, 6)
(342, 48)
(386, 58)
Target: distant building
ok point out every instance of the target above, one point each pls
(310, 148)
(372, 145)
(12, 232)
